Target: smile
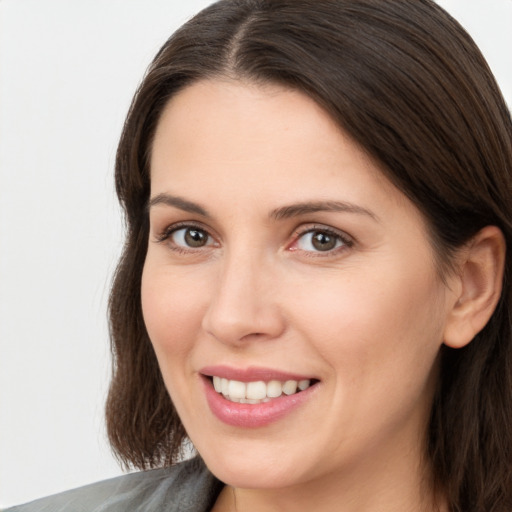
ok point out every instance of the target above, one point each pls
(255, 397)
(257, 392)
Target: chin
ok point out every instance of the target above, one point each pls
(255, 467)
(264, 476)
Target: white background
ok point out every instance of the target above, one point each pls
(68, 70)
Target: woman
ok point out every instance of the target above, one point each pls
(315, 285)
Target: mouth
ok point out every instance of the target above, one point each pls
(258, 391)
(255, 397)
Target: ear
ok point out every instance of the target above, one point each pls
(479, 285)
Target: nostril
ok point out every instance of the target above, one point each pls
(252, 335)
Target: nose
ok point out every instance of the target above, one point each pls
(243, 306)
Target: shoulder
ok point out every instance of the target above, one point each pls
(188, 486)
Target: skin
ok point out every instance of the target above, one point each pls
(366, 318)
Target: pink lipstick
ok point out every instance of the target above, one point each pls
(254, 397)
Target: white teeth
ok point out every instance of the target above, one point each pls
(303, 384)
(258, 391)
(236, 389)
(290, 387)
(224, 386)
(274, 389)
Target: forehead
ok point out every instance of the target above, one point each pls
(248, 113)
(233, 121)
(240, 140)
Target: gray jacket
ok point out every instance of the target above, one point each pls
(186, 487)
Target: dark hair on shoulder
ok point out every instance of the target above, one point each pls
(409, 85)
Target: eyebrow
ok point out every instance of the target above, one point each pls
(281, 213)
(295, 210)
(177, 202)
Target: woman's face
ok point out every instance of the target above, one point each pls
(281, 258)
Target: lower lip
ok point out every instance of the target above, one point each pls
(253, 415)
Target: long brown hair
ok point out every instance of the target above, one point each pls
(409, 85)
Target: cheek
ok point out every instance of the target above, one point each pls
(374, 322)
(380, 341)
(172, 310)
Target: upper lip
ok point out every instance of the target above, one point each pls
(251, 373)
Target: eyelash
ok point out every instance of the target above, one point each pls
(166, 234)
(345, 240)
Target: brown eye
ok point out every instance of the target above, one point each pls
(195, 238)
(191, 237)
(319, 241)
(323, 241)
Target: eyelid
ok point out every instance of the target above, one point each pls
(166, 233)
(347, 240)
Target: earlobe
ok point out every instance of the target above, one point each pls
(480, 283)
